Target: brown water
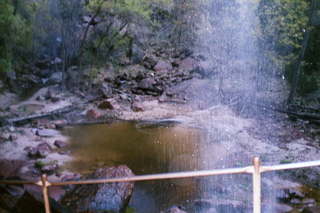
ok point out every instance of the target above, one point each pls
(145, 150)
(149, 149)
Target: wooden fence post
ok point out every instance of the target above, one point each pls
(45, 184)
(256, 175)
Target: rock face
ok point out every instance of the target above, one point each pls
(40, 151)
(112, 197)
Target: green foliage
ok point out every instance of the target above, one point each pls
(39, 164)
(126, 8)
(14, 36)
(283, 23)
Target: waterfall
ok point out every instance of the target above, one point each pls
(229, 39)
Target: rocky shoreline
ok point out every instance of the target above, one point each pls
(168, 91)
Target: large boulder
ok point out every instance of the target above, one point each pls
(163, 66)
(109, 198)
(10, 168)
(40, 151)
(56, 78)
(20, 199)
(188, 64)
(149, 61)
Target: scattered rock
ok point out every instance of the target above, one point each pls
(125, 97)
(163, 66)
(308, 201)
(112, 197)
(55, 78)
(92, 114)
(47, 133)
(137, 107)
(175, 209)
(22, 199)
(7, 99)
(56, 60)
(149, 61)
(313, 209)
(60, 144)
(110, 103)
(59, 123)
(106, 90)
(8, 137)
(41, 151)
(147, 84)
(68, 152)
(10, 168)
(188, 64)
(282, 208)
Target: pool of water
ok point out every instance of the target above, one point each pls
(158, 148)
(145, 149)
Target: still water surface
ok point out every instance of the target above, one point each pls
(146, 150)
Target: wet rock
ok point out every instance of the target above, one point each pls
(137, 107)
(10, 168)
(7, 99)
(55, 78)
(295, 201)
(147, 84)
(92, 114)
(125, 97)
(56, 60)
(149, 61)
(163, 66)
(21, 199)
(68, 152)
(60, 144)
(47, 132)
(15, 199)
(106, 90)
(55, 99)
(308, 201)
(59, 123)
(110, 103)
(101, 197)
(175, 209)
(41, 123)
(313, 209)
(8, 137)
(188, 64)
(282, 208)
(40, 151)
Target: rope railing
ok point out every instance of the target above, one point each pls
(256, 169)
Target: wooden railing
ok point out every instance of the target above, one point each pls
(256, 169)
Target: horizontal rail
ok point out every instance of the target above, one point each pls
(290, 166)
(256, 169)
(175, 175)
(20, 182)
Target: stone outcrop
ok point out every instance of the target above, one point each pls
(112, 197)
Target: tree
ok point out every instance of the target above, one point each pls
(14, 35)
